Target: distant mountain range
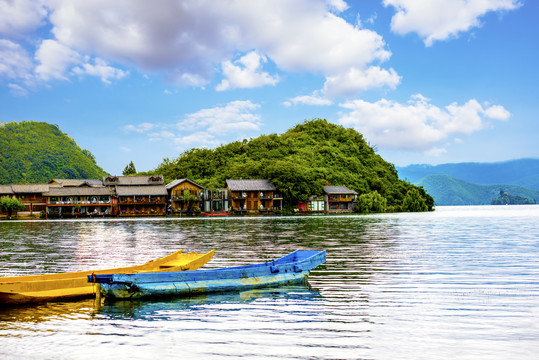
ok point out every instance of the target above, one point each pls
(475, 183)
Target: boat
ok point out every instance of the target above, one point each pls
(73, 285)
(287, 270)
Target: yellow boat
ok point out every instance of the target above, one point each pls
(73, 285)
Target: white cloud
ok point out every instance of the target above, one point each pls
(315, 100)
(246, 72)
(236, 116)
(435, 20)
(20, 16)
(58, 61)
(417, 125)
(141, 128)
(337, 5)
(187, 38)
(125, 149)
(160, 135)
(101, 69)
(497, 112)
(17, 90)
(15, 63)
(354, 81)
(197, 139)
(55, 59)
(435, 152)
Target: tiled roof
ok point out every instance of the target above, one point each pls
(77, 182)
(339, 190)
(141, 190)
(250, 185)
(177, 182)
(6, 190)
(29, 188)
(133, 180)
(79, 191)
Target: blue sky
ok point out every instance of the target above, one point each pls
(425, 81)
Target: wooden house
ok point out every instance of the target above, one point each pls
(340, 199)
(215, 201)
(82, 200)
(253, 196)
(314, 205)
(185, 196)
(138, 195)
(142, 200)
(31, 195)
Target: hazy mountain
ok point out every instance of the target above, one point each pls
(522, 172)
(447, 190)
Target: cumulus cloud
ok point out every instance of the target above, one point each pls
(418, 124)
(15, 62)
(355, 80)
(54, 60)
(246, 72)
(58, 61)
(435, 20)
(236, 116)
(187, 39)
(20, 16)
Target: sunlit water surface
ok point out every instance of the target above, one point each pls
(460, 282)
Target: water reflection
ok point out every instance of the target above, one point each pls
(408, 286)
(171, 307)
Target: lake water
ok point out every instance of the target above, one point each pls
(460, 282)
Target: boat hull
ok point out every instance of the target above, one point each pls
(291, 269)
(74, 285)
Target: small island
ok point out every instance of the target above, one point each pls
(506, 199)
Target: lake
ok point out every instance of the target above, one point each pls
(460, 282)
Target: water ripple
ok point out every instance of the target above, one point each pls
(462, 282)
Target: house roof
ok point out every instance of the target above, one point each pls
(141, 190)
(250, 185)
(339, 190)
(29, 188)
(6, 190)
(133, 180)
(79, 191)
(177, 182)
(76, 182)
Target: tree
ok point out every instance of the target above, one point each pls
(10, 204)
(372, 202)
(190, 200)
(129, 169)
(414, 202)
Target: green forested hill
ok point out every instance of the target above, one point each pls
(36, 152)
(447, 190)
(300, 163)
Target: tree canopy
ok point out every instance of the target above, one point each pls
(36, 152)
(10, 205)
(129, 169)
(300, 162)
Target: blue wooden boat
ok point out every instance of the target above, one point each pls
(290, 269)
